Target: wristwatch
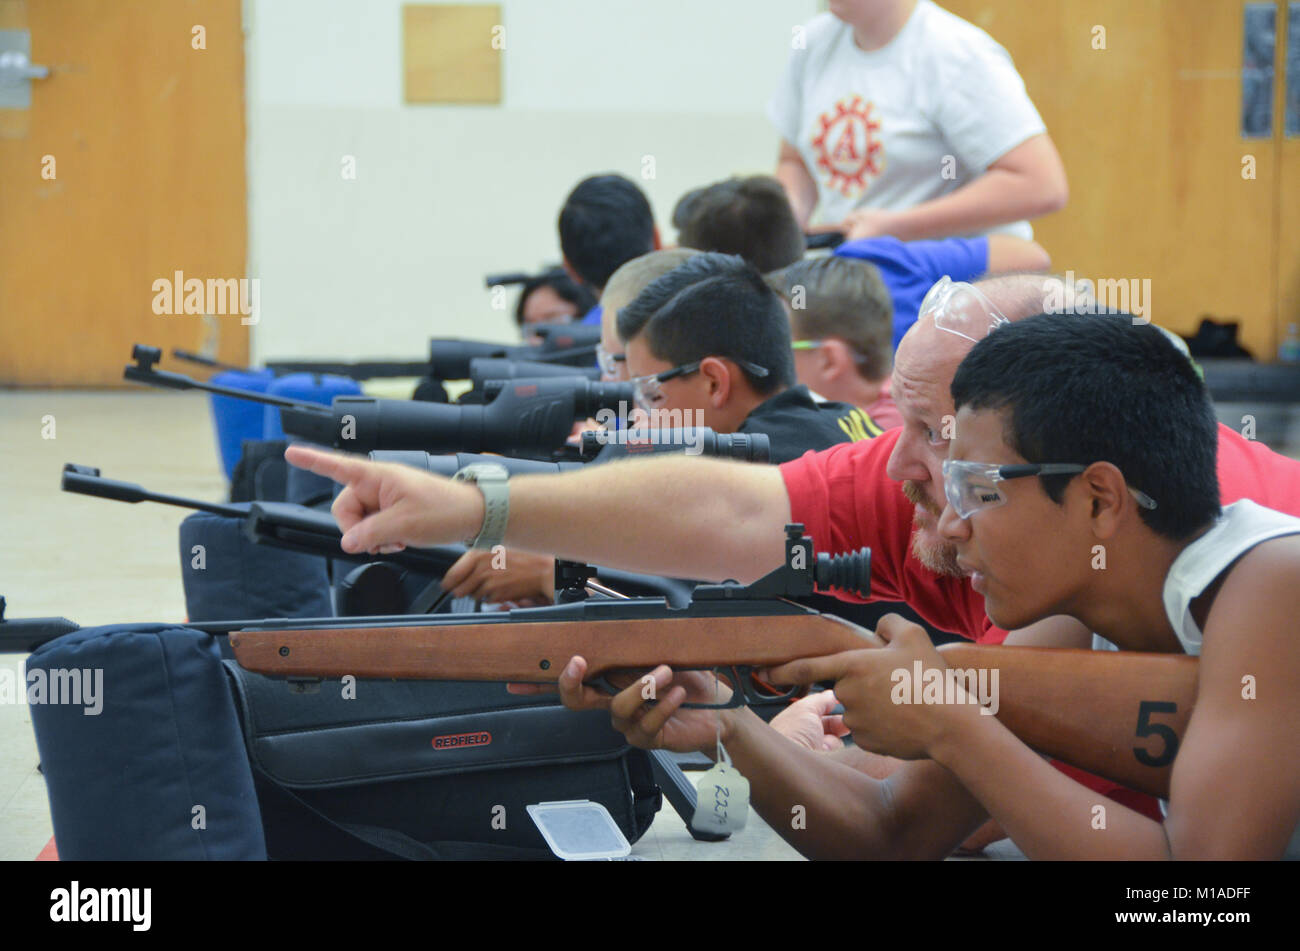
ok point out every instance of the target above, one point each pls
(494, 482)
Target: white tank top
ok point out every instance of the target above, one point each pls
(1242, 526)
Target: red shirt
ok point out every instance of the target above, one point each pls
(845, 501)
(884, 410)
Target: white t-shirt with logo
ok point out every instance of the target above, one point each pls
(911, 121)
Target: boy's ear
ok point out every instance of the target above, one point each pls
(719, 377)
(1109, 496)
(659, 245)
(837, 358)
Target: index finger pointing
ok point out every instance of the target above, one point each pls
(811, 670)
(340, 467)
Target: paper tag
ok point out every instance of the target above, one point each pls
(722, 799)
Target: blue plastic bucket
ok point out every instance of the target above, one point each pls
(236, 420)
(310, 387)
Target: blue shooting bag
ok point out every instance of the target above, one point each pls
(159, 770)
(190, 758)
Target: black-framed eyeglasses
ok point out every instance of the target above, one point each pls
(648, 389)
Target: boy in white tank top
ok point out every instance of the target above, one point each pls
(1082, 481)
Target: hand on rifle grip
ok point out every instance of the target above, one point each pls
(648, 711)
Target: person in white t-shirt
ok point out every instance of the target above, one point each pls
(899, 118)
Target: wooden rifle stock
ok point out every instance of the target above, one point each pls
(1118, 715)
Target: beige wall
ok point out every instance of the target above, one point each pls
(446, 194)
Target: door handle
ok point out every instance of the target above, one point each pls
(16, 67)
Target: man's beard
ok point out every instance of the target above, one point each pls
(939, 557)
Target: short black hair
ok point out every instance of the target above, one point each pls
(751, 217)
(606, 221)
(714, 305)
(564, 286)
(1086, 388)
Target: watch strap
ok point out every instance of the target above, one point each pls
(494, 482)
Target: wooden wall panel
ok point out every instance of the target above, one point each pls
(1149, 129)
(147, 137)
(448, 53)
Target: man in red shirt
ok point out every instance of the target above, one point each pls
(849, 496)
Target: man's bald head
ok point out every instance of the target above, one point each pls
(924, 366)
(1021, 295)
(925, 347)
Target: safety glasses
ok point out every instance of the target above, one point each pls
(817, 344)
(611, 364)
(962, 309)
(807, 344)
(648, 390)
(972, 486)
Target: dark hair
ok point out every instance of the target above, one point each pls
(564, 286)
(1099, 388)
(606, 221)
(751, 217)
(845, 298)
(714, 305)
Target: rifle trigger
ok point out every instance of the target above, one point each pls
(754, 696)
(738, 696)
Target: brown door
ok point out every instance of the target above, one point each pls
(1144, 100)
(127, 168)
(1287, 126)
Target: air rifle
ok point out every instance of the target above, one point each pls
(283, 525)
(23, 635)
(604, 447)
(308, 531)
(823, 240)
(482, 369)
(527, 416)
(356, 370)
(1115, 714)
(523, 277)
(561, 344)
(449, 357)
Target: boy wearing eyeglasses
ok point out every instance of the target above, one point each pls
(711, 339)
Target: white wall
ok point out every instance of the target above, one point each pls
(446, 194)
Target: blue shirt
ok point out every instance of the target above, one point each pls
(593, 316)
(910, 268)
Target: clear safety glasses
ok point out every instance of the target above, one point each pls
(611, 364)
(972, 486)
(961, 309)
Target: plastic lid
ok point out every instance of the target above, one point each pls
(579, 829)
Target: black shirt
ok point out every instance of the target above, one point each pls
(795, 423)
